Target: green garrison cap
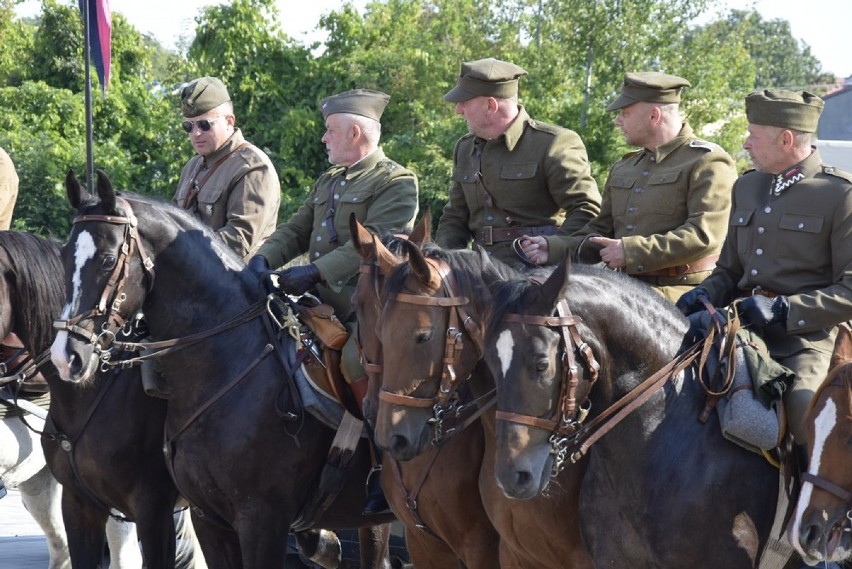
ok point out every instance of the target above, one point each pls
(202, 95)
(485, 78)
(364, 102)
(649, 86)
(786, 109)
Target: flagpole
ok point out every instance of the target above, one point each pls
(90, 161)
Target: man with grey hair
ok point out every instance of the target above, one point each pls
(230, 185)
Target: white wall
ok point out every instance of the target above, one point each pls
(836, 153)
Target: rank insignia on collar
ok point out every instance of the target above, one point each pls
(786, 179)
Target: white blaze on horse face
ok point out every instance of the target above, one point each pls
(505, 350)
(83, 252)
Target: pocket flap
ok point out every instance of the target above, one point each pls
(798, 222)
(664, 178)
(741, 218)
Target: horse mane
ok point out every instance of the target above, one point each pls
(38, 290)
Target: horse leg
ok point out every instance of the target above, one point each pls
(221, 546)
(42, 497)
(429, 552)
(320, 546)
(188, 554)
(373, 545)
(85, 523)
(123, 545)
(156, 527)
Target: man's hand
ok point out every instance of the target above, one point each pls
(536, 249)
(300, 279)
(758, 311)
(258, 265)
(688, 303)
(612, 251)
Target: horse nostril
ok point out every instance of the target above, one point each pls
(523, 478)
(74, 363)
(399, 444)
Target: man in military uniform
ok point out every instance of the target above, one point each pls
(512, 175)
(665, 206)
(789, 245)
(8, 189)
(381, 193)
(230, 185)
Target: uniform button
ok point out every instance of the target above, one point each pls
(761, 230)
(801, 226)
(801, 323)
(355, 199)
(637, 190)
(319, 237)
(644, 172)
(759, 251)
(489, 217)
(322, 224)
(753, 272)
(741, 220)
(640, 268)
(339, 283)
(343, 183)
(316, 254)
(632, 209)
(653, 158)
(519, 174)
(630, 226)
(467, 177)
(767, 209)
(337, 196)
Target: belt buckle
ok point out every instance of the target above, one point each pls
(488, 231)
(757, 291)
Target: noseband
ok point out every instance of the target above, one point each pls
(113, 294)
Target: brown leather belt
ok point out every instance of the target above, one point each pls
(704, 264)
(489, 235)
(758, 291)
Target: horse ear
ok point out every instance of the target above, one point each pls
(556, 285)
(362, 239)
(106, 192)
(422, 232)
(418, 263)
(842, 346)
(75, 191)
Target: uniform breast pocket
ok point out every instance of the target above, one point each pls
(800, 236)
(661, 195)
(353, 202)
(620, 189)
(210, 200)
(740, 225)
(520, 185)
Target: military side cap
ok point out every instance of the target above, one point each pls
(786, 109)
(364, 102)
(650, 87)
(485, 78)
(202, 95)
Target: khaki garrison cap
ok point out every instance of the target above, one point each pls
(785, 109)
(202, 95)
(364, 102)
(650, 87)
(485, 78)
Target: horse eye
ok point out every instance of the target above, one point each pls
(542, 366)
(424, 336)
(108, 263)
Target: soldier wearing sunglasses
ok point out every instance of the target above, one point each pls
(230, 184)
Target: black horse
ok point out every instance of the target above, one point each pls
(661, 488)
(102, 444)
(240, 448)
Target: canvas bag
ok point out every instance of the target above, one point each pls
(322, 321)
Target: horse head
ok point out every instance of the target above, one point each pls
(821, 530)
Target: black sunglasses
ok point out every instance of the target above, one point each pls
(203, 125)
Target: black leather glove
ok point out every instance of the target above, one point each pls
(688, 303)
(758, 311)
(300, 279)
(258, 265)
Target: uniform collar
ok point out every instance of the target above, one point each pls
(516, 128)
(807, 168)
(230, 145)
(661, 152)
(365, 164)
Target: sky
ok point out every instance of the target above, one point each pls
(825, 25)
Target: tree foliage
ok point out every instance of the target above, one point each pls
(575, 51)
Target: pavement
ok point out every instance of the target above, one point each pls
(22, 544)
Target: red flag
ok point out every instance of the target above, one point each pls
(100, 36)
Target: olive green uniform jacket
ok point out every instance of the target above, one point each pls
(537, 173)
(383, 196)
(8, 189)
(797, 243)
(239, 200)
(669, 207)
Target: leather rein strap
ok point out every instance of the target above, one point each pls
(563, 422)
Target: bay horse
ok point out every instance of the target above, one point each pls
(239, 447)
(435, 306)
(102, 468)
(435, 494)
(821, 528)
(661, 489)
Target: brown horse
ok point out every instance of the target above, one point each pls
(435, 494)
(434, 310)
(821, 529)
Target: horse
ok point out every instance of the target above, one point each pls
(102, 469)
(435, 494)
(820, 528)
(434, 308)
(661, 489)
(238, 444)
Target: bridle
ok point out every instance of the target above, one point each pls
(447, 400)
(569, 415)
(837, 491)
(113, 295)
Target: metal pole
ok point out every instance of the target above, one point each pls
(90, 161)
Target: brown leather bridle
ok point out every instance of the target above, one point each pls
(569, 415)
(113, 295)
